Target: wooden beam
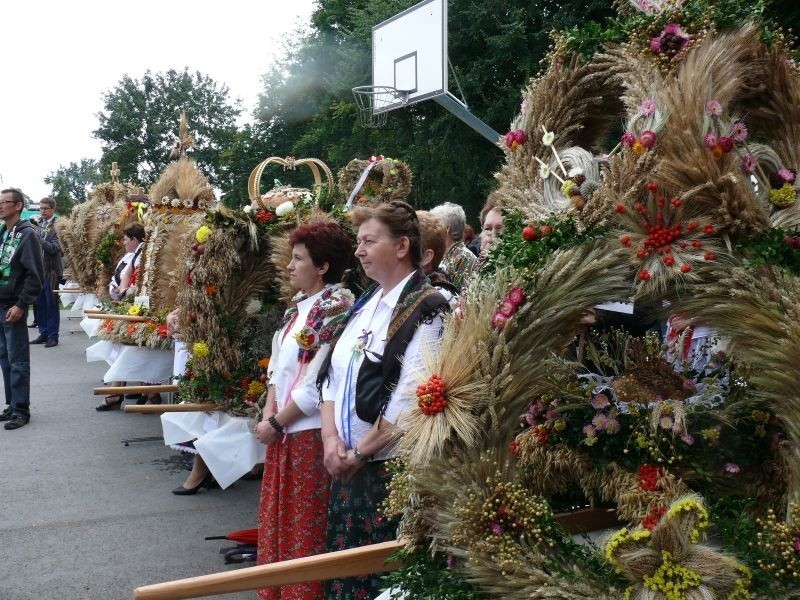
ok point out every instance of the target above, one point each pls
(345, 563)
(115, 317)
(69, 291)
(110, 390)
(150, 409)
(92, 310)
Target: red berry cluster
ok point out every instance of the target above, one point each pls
(531, 232)
(649, 477)
(651, 520)
(431, 396)
(265, 216)
(792, 241)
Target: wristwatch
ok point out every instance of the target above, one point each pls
(360, 457)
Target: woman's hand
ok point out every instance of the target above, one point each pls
(352, 464)
(334, 451)
(266, 433)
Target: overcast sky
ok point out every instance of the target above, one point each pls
(58, 58)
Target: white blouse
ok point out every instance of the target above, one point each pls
(293, 380)
(371, 324)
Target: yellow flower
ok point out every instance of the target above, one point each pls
(202, 234)
(256, 388)
(200, 349)
(784, 196)
(135, 310)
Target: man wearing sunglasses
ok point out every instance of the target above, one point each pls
(21, 275)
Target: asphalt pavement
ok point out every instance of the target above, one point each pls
(84, 517)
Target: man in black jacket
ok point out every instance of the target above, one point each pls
(47, 311)
(20, 285)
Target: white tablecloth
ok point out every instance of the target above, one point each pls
(132, 363)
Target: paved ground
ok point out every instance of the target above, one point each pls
(82, 517)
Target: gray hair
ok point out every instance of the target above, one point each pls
(453, 217)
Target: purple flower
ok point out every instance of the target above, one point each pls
(666, 422)
(786, 175)
(687, 439)
(689, 385)
(726, 143)
(600, 401)
(450, 561)
(530, 419)
(589, 430)
(732, 468)
(628, 139)
(748, 164)
(797, 545)
(551, 415)
(672, 29)
(710, 140)
(600, 422)
(713, 108)
(739, 131)
(612, 426)
(497, 529)
(648, 107)
(655, 45)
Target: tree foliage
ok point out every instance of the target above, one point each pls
(68, 184)
(139, 122)
(307, 108)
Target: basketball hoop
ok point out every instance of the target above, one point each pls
(374, 102)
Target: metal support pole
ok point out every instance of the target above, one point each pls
(462, 112)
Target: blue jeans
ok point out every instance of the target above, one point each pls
(15, 362)
(47, 313)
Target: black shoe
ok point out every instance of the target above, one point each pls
(16, 421)
(51, 342)
(32, 325)
(39, 340)
(6, 414)
(182, 491)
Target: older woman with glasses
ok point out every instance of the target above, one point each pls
(367, 382)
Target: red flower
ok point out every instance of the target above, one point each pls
(652, 187)
(676, 202)
(620, 208)
(625, 240)
(513, 448)
(264, 216)
(709, 256)
(644, 275)
(686, 268)
(708, 229)
(211, 289)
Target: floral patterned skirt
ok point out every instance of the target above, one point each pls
(354, 520)
(294, 509)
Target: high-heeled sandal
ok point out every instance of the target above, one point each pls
(153, 399)
(110, 403)
(207, 482)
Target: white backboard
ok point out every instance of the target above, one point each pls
(409, 53)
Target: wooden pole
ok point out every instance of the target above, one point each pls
(114, 317)
(109, 390)
(93, 310)
(345, 563)
(151, 409)
(69, 291)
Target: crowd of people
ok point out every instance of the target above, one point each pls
(341, 371)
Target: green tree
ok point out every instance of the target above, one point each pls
(139, 122)
(307, 108)
(68, 184)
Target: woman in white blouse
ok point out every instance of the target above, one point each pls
(369, 381)
(294, 499)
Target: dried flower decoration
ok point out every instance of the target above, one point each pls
(672, 40)
(508, 308)
(514, 139)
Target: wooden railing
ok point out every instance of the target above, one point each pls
(345, 563)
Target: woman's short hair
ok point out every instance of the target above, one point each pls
(134, 231)
(433, 234)
(491, 204)
(453, 216)
(326, 242)
(399, 218)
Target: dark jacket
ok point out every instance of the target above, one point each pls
(21, 270)
(51, 255)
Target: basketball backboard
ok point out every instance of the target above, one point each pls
(409, 54)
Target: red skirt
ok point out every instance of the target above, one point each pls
(293, 515)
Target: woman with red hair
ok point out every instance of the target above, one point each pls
(294, 499)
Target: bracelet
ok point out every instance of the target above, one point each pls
(275, 425)
(360, 457)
